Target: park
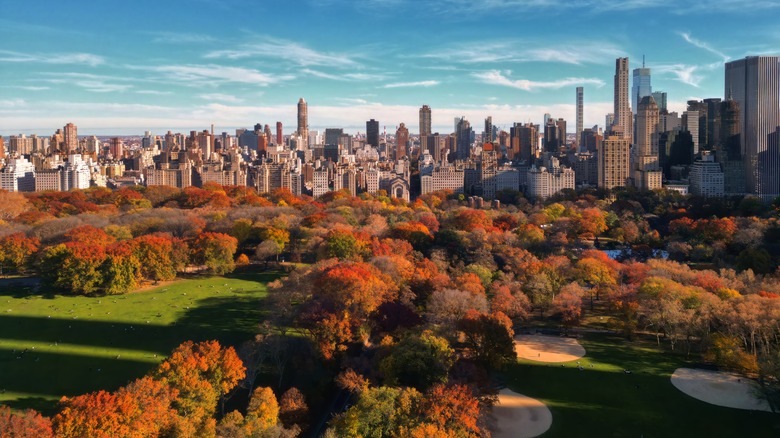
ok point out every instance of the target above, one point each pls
(55, 345)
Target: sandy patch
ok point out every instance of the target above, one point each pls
(543, 348)
(719, 388)
(518, 416)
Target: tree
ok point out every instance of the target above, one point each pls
(203, 374)
(12, 204)
(568, 303)
(25, 424)
(215, 251)
(90, 235)
(379, 412)
(75, 267)
(155, 254)
(454, 409)
(489, 338)
(120, 269)
(448, 306)
(293, 409)
(16, 251)
(262, 412)
(419, 360)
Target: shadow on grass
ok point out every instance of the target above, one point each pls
(597, 402)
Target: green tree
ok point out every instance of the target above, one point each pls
(215, 251)
(419, 360)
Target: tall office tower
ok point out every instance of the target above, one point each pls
(523, 142)
(303, 120)
(641, 86)
(425, 121)
(609, 120)
(580, 109)
(401, 142)
(463, 139)
(754, 83)
(729, 149)
(690, 123)
(268, 134)
(622, 123)
(614, 162)
(372, 133)
(647, 174)
(660, 100)
(116, 148)
(332, 135)
(547, 117)
(712, 132)
(2, 147)
(488, 130)
(71, 138)
(279, 133)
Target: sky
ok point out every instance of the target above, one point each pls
(124, 67)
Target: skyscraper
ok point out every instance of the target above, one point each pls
(279, 136)
(463, 139)
(660, 100)
(401, 142)
(425, 121)
(372, 133)
(754, 83)
(641, 86)
(488, 130)
(303, 120)
(622, 121)
(580, 109)
(71, 138)
(647, 174)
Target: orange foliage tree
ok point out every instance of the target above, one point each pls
(26, 424)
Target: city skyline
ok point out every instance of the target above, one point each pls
(125, 69)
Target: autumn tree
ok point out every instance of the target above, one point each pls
(155, 254)
(75, 267)
(24, 424)
(215, 251)
(489, 337)
(293, 409)
(568, 303)
(16, 251)
(203, 374)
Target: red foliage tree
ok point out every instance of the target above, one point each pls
(26, 424)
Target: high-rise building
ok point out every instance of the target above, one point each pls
(754, 84)
(71, 138)
(706, 177)
(279, 136)
(647, 173)
(523, 142)
(2, 147)
(116, 148)
(660, 100)
(641, 86)
(425, 121)
(580, 110)
(463, 139)
(303, 120)
(690, 123)
(488, 136)
(372, 133)
(401, 142)
(623, 118)
(332, 135)
(614, 162)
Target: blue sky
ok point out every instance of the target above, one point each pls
(127, 66)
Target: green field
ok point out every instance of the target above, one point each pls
(603, 401)
(80, 344)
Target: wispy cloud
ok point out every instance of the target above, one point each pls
(702, 45)
(592, 52)
(27, 87)
(52, 58)
(412, 84)
(213, 75)
(180, 38)
(496, 77)
(344, 76)
(286, 50)
(687, 74)
(219, 97)
(154, 92)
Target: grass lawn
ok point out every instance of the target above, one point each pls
(603, 401)
(81, 344)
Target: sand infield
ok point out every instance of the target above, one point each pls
(719, 388)
(519, 416)
(544, 348)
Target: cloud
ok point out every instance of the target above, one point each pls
(576, 53)
(687, 74)
(496, 77)
(412, 84)
(27, 87)
(290, 51)
(344, 76)
(154, 92)
(213, 74)
(180, 38)
(220, 97)
(702, 45)
(102, 87)
(57, 58)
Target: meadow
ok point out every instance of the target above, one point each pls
(53, 345)
(602, 400)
